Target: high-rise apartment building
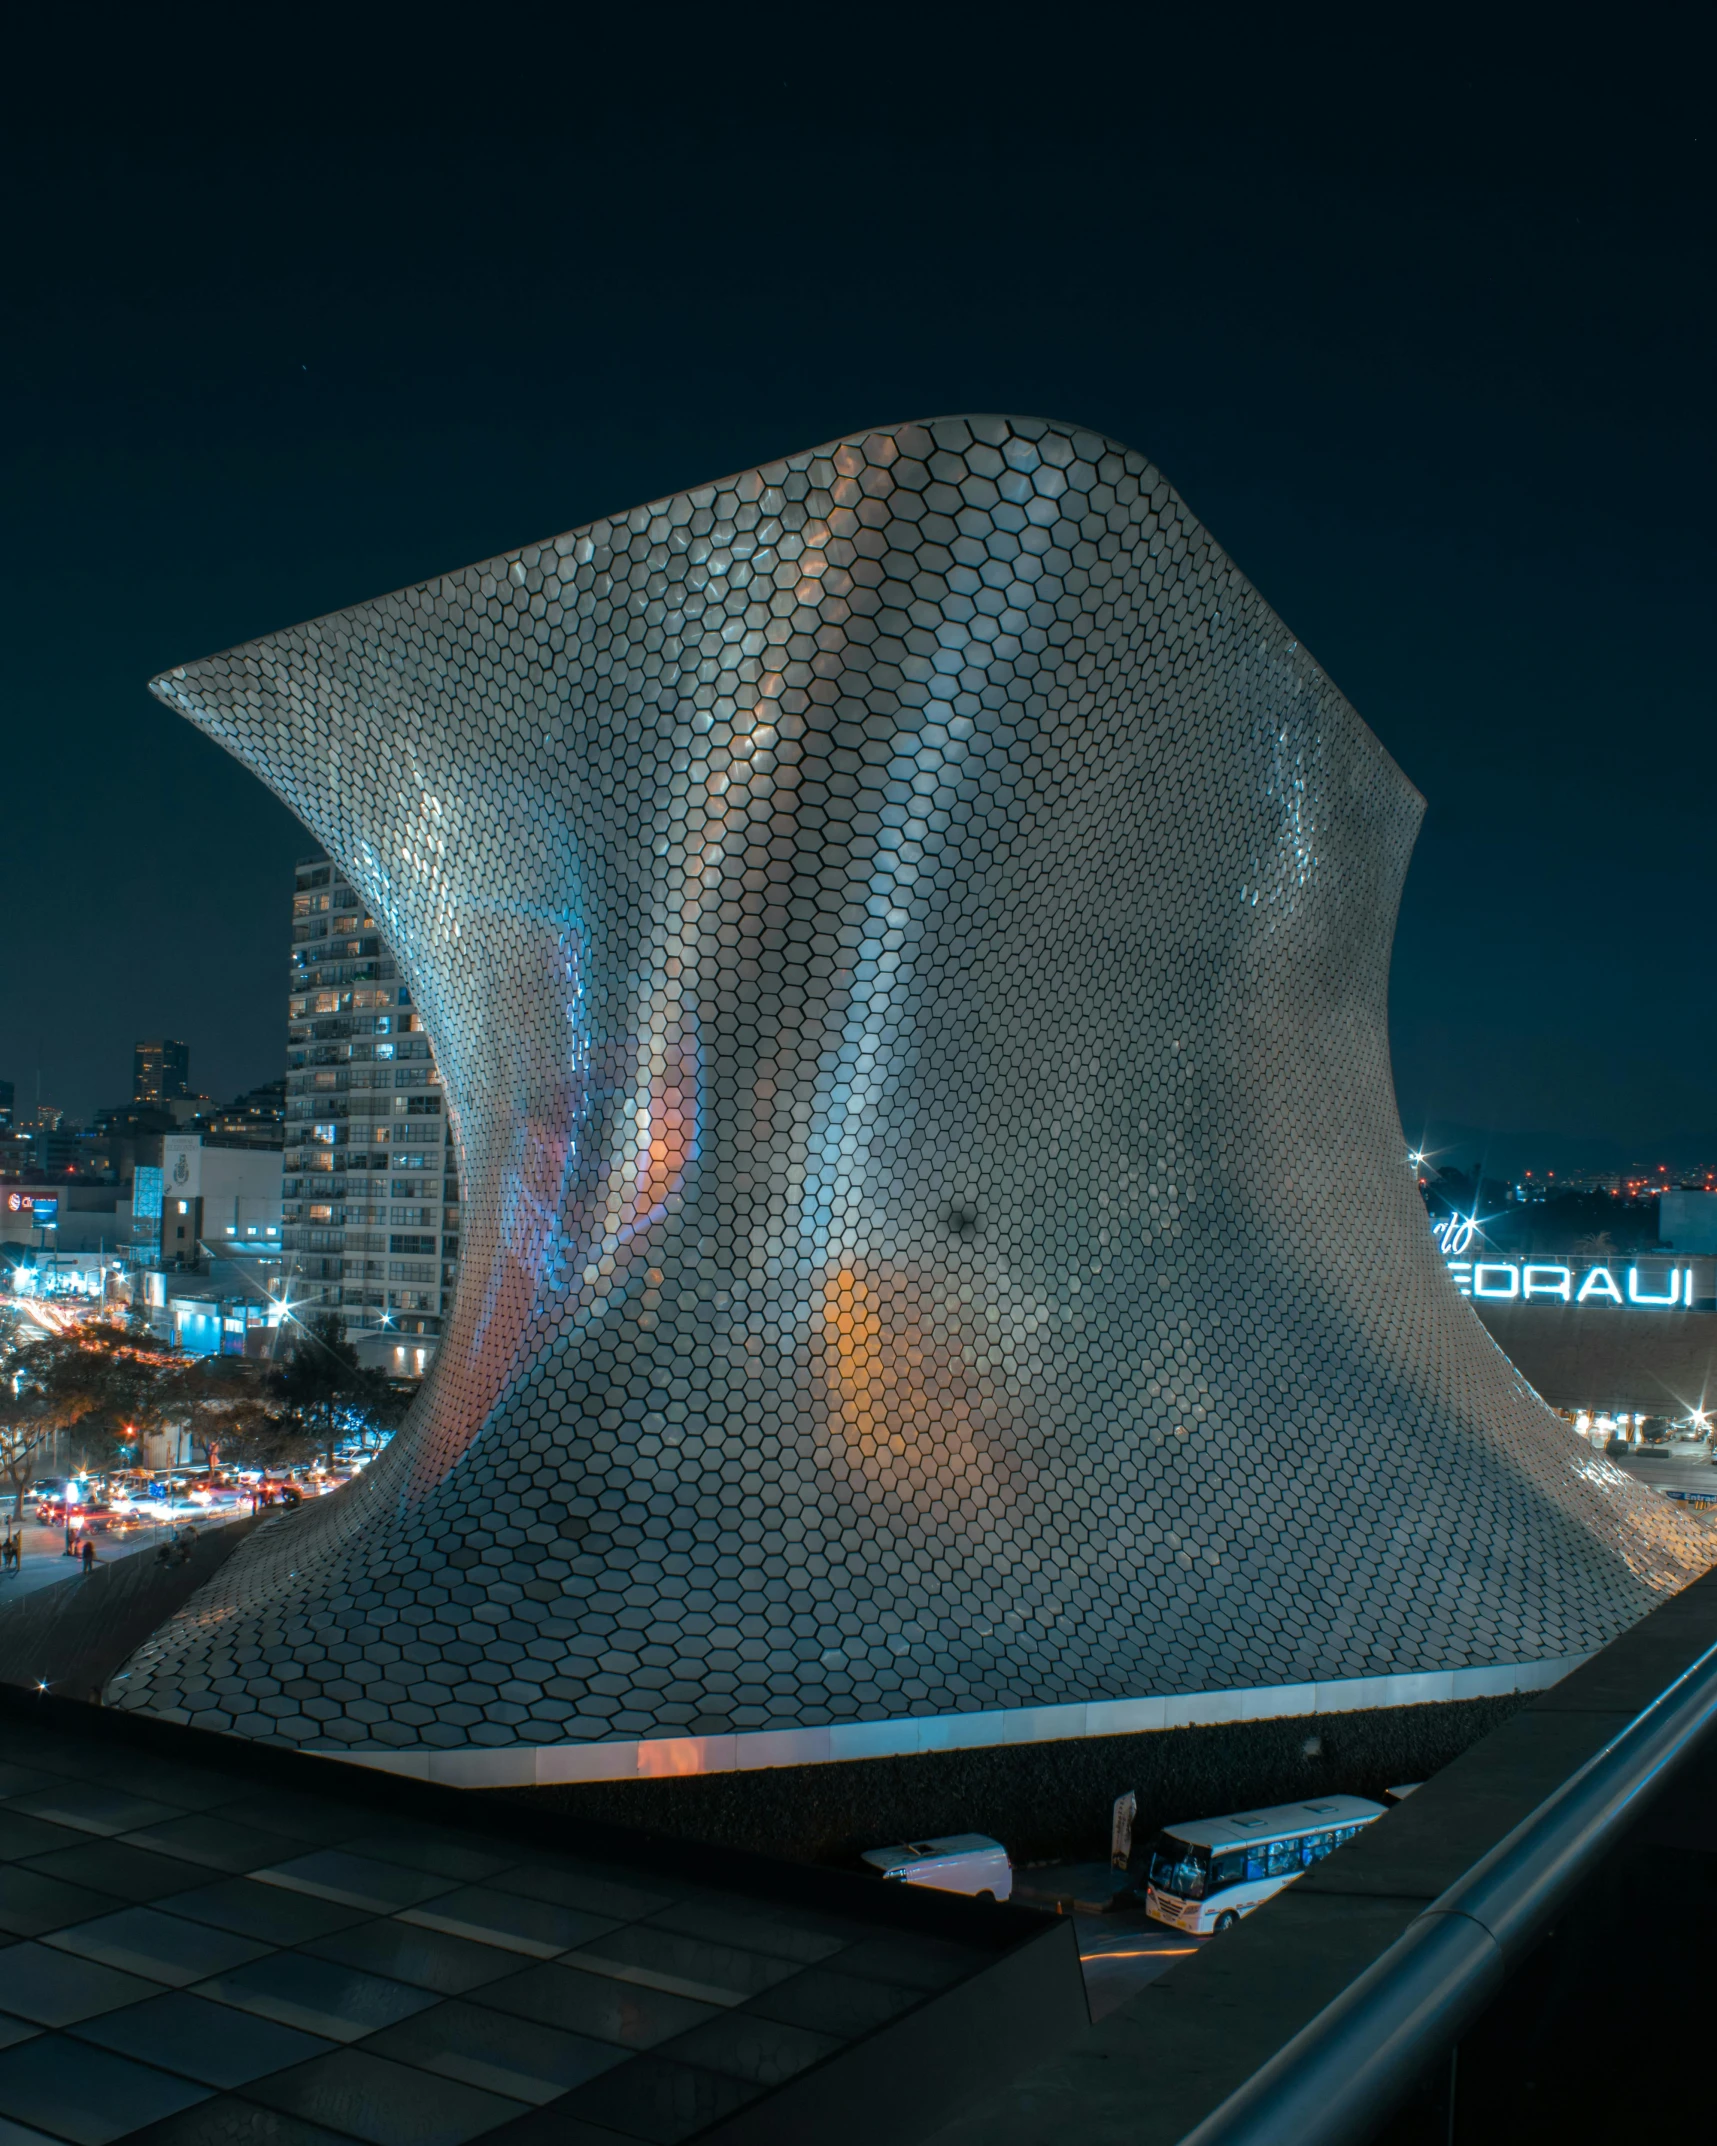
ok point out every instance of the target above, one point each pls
(160, 1071)
(370, 1220)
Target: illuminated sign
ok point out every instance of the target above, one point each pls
(46, 1212)
(1665, 1285)
(1454, 1234)
(1503, 1281)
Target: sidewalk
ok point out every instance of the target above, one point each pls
(72, 1638)
(45, 1560)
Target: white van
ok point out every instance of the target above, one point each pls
(1206, 1873)
(957, 1863)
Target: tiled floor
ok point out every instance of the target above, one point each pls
(190, 1958)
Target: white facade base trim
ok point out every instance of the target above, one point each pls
(656, 1757)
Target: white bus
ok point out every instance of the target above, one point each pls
(1208, 1872)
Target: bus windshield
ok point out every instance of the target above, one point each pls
(1179, 1868)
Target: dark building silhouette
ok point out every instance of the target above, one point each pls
(161, 1071)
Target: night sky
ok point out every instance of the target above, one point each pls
(1423, 333)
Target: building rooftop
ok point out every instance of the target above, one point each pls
(202, 1939)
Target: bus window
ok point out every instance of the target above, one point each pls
(1284, 1859)
(1318, 1845)
(1178, 1867)
(1240, 1866)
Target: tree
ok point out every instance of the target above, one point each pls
(25, 1426)
(18, 1444)
(329, 1393)
(225, 1403)
(267, 1439)
(48, 1382)
(117, 1384)
(112, 1379)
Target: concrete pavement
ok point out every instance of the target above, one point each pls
(1122, 1951)
(45, 1561)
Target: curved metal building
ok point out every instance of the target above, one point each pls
(905, 932)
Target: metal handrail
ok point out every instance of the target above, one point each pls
(1347, 2069)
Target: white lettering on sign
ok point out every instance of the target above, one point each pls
(1546, 1281)
(1505, 1280)
(1454, 1234)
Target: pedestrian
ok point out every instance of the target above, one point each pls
(88, 1554)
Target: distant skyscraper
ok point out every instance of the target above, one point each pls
(371, 1220)
(160, 1071)
(7, 1105)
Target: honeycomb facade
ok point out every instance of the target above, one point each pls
(905, 934)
